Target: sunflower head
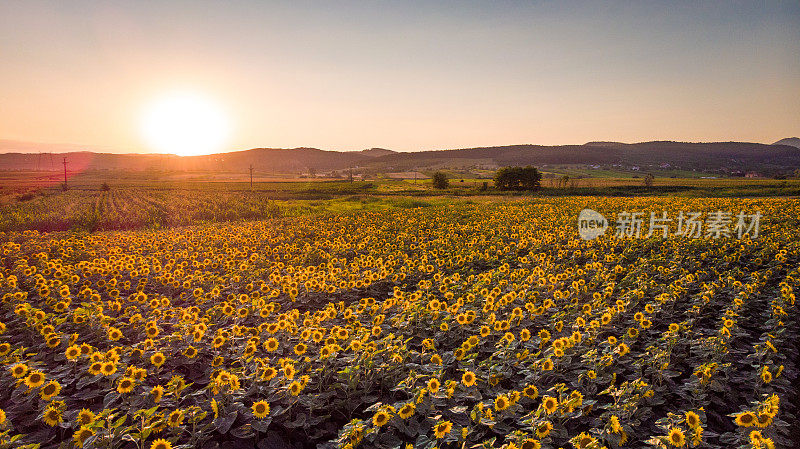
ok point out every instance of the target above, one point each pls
(443, 428)
(584, 440)
(260, 409)
(73, 352)
(175, 418)
(676, 437)
(52, 416)
(157, 359)
(108, 368)
(692, 419)
(407, 410)
(380, 418)
(501, 402)
(763, 420)
(51, 389)
(85, 417)
(530, 443)
(543, 429)
(745, 419)
(550, 404)
(80, 436)
(157, 392)
(295, 388)
(530, 391)
(161, 444)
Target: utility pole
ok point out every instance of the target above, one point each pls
(65, 173)
(251, 176)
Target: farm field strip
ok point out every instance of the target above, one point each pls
(487, 324)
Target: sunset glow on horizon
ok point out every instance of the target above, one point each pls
(407, 76)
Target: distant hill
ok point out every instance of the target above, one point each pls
(715, 157)
(793, 141)
(375, 152)
(722, 157)
(603, 144)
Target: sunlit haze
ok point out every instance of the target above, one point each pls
(186, 124)
(406, 76)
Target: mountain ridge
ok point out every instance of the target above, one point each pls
(792, 141)
(721, 157)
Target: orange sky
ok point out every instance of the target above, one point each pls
(402, 75)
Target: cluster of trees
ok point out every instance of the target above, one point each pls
(508, 178)
(517, 178)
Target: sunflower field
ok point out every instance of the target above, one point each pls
(471, 325)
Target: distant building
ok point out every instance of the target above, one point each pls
(752, 174)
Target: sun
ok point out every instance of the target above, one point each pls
(186, 124)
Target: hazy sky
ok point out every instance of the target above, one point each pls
(404, 75)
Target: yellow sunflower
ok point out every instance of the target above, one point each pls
(501, 402)
(34, 379)
(85, 417)
(676, 437)
(51, 389)
(161, 444)
(745, 419)
(764, 420)
(96, 368)
(108, 368)
(550, 404)
(407, 410)
(268, 373)
(583, 440)
(295, 388)
(158, 359)
(158, 392)
(547, 365)
(73, 352)
(52, 416)
(80, 436)
(380, 418)
(190, 352)
(175, 419)
(125, 385)
(531, 391)
(543, 429)
(260, 409)
(616, 427)
(468, 378)
(692, 419)
(114, 334)
(443, 428)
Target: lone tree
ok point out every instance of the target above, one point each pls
(440, 180)
(517, 178)
(648, 180)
